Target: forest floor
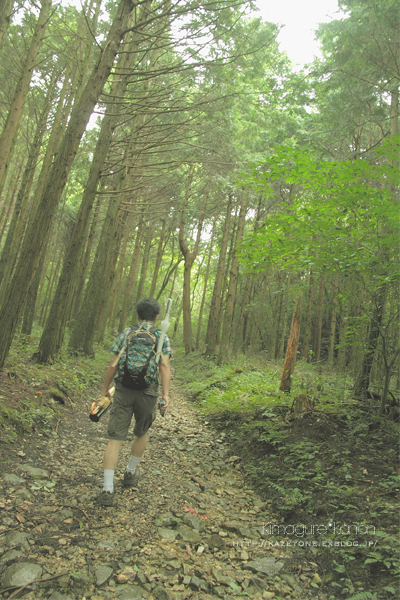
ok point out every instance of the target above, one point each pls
(195, 527)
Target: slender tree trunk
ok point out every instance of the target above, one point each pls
(291, 350)
(5, 19)
(189, 260)
(145, 262)
(320, 308)
(238, 336)
(53, 334)
(203, 298)
(388, 371)
(85, 262)
(167, 277)
(116, 292)
(394, 112)
(11, 204)
(332, 332)
(9, 134)
(49, 292)
(341, 363)
(31, 303)
(111, 280)
(15, 232)
(211, 336)
(277, 316)
(362, 378)
(158, 258)
(248, 316)
(260, 312)
(225, 284)
(178, 316)
(233, 279)
(281, 350)
(129, 292)
(309, 316)
(39, 227)
(82, 336)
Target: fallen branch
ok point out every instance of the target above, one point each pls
(86, 515)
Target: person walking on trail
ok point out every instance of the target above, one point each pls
(135, 365)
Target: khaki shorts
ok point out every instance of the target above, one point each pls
(127, 403)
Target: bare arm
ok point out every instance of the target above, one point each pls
(110, 373)
(165, 372)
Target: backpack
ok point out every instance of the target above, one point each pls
(140, 352)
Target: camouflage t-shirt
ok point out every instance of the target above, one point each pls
(137, 359)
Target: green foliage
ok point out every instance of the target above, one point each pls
(387, 553)
(69, 378)
(333, 465)
(354, 81)
(363, 596)
(28, 416)
(339, 218)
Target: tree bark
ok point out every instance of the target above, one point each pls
(307, 332)
(9, 134)
(128, 293)
(341, 362)
(233, 279)
(388, 371)
(145, 262)
(32, 303)
(225, 284)
(10, 206)
(281, 350)
(159, 256)
(291, 350)
(53, 334)
(211, 336)
(111, 279)
(277, 316)
(172, 270)
(85, 264)
(39, 227)
(189, 257)
(362, 379)
(83, 333)
(203, 298)
(5, 19)
(238, 336)
(332, 331)
(261, 310)
(320, 308)
(12, 244)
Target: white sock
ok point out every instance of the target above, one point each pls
(133, 463)
(108, 484)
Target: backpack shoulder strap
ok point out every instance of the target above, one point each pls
(133, 329)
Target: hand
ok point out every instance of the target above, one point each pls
(164, 408)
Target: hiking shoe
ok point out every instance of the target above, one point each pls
(131, 479)
(106, 498)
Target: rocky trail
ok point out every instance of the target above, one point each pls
(190, 530)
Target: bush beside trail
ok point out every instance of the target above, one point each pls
(332, 465)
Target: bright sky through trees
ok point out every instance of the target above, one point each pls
(299, 21)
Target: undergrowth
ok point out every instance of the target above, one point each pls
(33, 395)
(333, 467)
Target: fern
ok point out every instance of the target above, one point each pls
(363, 596)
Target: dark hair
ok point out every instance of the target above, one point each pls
(147, 309)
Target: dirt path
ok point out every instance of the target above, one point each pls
(191, 530)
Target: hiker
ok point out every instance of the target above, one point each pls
(127, 401)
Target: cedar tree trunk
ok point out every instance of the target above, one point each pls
(291, 350)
